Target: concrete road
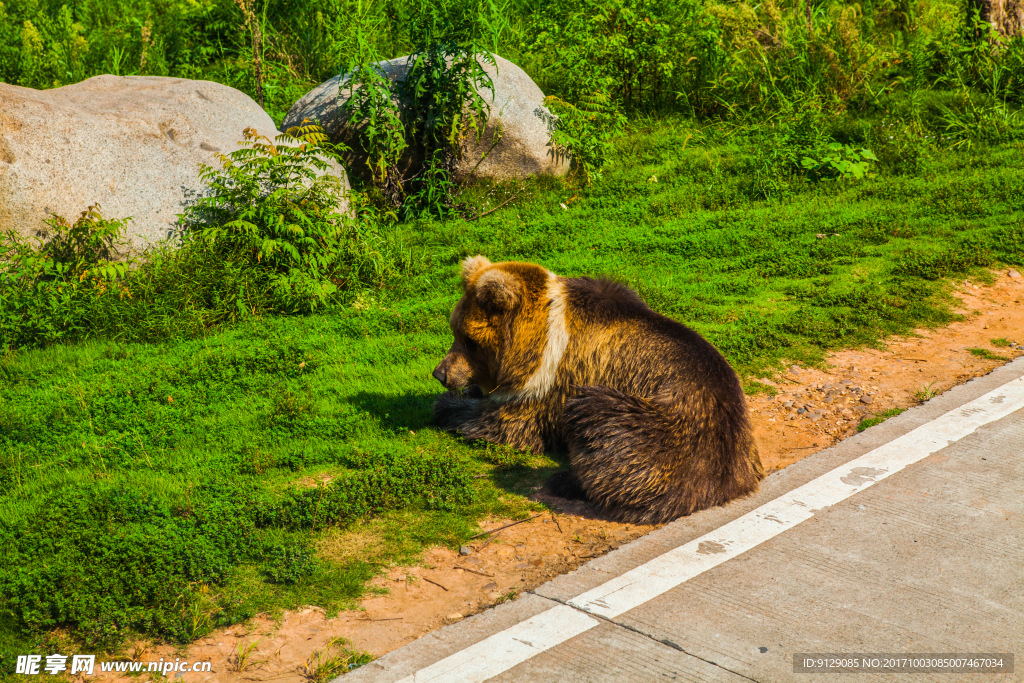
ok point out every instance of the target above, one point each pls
(907, 539)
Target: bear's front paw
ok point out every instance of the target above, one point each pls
(453, 410)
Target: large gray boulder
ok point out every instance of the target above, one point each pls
(525, 147)
(131, 143)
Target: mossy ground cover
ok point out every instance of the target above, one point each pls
(163, 489)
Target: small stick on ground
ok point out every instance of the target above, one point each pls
(484, 533)
(480, 549)
(555, 520)
(486, 213)
(473, 571)
(384, 619)
(433, 582)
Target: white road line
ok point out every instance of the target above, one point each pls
(503, 650)
(507, 648)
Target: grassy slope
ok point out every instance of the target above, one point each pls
(192, 443)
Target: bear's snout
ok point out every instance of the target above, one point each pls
(454, 371)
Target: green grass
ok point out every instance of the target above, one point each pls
(878, 419)
(755, 388)
(1001, 342)
(169, 488)
(986, 354)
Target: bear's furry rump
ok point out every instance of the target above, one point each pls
(639, 462)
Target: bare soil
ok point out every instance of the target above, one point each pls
(815, 407)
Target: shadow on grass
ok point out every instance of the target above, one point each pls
(521, 476)
(411, 411)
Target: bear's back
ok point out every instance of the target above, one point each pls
(653, 347)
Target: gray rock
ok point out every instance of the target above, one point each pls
(517, 103)
(131, 143)
(465, 550)
(867, 399)
(1013, 274)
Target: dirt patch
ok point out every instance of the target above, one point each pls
(813, 409)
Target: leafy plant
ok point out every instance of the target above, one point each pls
(273, 209)
(986, 121)
(442, 92)
(626, 49)
(430, 114)
(584, 132)
(374, 110)
(841, 161)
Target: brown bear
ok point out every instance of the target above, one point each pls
(652, 416)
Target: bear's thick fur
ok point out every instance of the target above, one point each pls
(653, 417)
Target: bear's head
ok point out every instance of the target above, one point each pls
(500, 326)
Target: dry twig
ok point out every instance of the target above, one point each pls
(486, 213)
(433, 582)
(504, 527)
(467, 569)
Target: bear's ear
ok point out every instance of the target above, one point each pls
(472, 266)
(498, 291)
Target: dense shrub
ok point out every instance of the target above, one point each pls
(49, 289)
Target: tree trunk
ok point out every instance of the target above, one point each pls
(1005, 16)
